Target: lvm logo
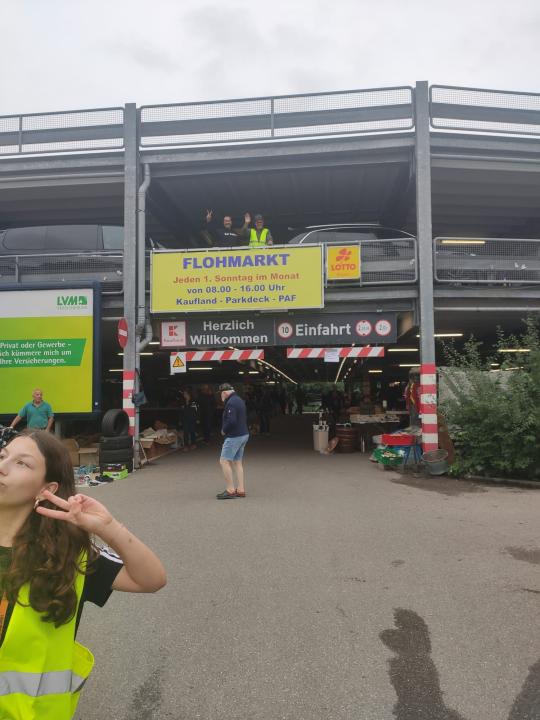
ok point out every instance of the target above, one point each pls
(71, 301)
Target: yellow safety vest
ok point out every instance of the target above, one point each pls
(42, 667)
(255, 241)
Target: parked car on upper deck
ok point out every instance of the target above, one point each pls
(52, 239)
(338, 234)
(64, 253)
(387, 255)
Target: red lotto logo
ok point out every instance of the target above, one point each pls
(343, 255)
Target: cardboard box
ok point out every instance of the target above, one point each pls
(89, 455)
(81, 456)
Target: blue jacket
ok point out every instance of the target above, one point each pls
(234, 423)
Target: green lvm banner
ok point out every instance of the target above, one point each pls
(47, 342)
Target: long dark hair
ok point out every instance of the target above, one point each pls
(46, 552)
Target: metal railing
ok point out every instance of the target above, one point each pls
(493, 261)
(60, 132)
(280, 117)
(272, 118)
(104, 267)
(493, 111)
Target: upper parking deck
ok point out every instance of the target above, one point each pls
(300, 160)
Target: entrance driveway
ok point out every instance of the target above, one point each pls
(334, 591)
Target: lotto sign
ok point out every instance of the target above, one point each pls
(173, 334)
(268, 278)
(178, 362)
(343, 262)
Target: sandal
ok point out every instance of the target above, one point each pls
(240, 494)
(226, 495)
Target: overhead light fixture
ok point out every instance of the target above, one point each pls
(402, 350)
(374, 372)
(241, 372)
(122, 354)
(515, 350)
(408, 365)
(445, 335)
(253, 372)
(267, 364)
(154, 342)
(116, 370)
(494, 364)
(462, 241)
(200, 368)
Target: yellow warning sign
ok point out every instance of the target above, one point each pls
(343, 262)
(178, 362)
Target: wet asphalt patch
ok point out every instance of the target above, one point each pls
(443, 485)
(530, 555)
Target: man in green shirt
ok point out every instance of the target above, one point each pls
(38, 413)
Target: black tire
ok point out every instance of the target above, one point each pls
(116, 443)
(115, 456)
(115, 423)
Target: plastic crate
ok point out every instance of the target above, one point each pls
(399, 439)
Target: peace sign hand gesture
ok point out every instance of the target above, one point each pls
(80, 510)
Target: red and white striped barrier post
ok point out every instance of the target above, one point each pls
(128, 381)
(344, 352)
(209, 355)
(428, 406)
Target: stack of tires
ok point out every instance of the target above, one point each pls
(116, 444)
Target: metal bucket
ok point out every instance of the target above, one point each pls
(436, 461)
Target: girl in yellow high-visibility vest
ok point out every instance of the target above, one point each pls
(48, 567)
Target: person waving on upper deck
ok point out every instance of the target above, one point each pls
(259, 236)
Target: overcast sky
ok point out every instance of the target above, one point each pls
(71, 54)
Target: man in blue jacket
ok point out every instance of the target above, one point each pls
(235, 430)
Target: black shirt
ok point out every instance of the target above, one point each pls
(97, 584)
(223, 237)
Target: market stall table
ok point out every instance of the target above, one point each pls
(370, 425)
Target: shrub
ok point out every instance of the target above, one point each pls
(496, 415)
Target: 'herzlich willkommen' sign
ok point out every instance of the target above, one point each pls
(315, 329)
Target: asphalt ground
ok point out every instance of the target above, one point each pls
(334, 591)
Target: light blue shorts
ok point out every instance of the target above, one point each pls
(233, 448)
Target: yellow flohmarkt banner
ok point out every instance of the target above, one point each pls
(270, 278)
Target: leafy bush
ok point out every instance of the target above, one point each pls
(496, 415)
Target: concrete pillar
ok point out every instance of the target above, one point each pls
(428, 384)
(131, 186)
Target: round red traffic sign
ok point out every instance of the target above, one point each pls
(122, 332)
